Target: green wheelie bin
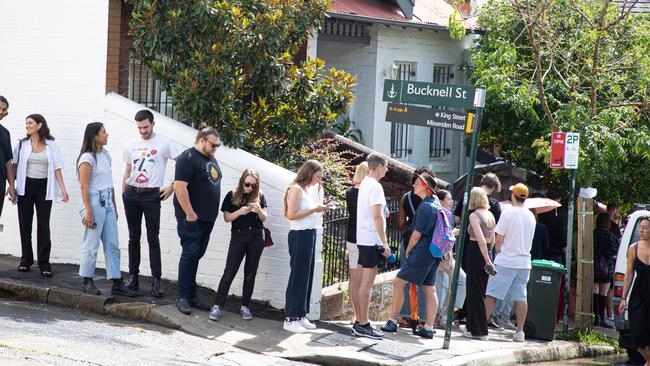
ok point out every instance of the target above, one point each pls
(543, 296)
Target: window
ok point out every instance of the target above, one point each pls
(399, 132)
(437, 136)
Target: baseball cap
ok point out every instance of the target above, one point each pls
(519, 190)
(429, 180)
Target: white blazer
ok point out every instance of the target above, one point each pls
(55, 162)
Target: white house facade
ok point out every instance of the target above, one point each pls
(376, 41)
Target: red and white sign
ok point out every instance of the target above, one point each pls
(564, 150)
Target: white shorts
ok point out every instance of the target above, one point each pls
(353, 254)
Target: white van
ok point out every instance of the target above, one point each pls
(630, 236)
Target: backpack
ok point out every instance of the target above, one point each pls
(442, 240)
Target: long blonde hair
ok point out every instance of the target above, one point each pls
(478, 199)
(360, 173)
(238, 193)
(303, 177)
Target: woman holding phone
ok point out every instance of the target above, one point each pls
(245, 208)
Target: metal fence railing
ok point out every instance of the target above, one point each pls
(334, 256)
(145, 89)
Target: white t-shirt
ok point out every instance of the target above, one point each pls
(517, 225)
(101, 176)
(370, 193)
(148, 159)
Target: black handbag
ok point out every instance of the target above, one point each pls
(268, 241)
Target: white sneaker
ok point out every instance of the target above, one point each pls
(293, 326)
(468, 334)
(307, 324)
(519, 336)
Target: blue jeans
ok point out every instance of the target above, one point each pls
(194, 240)
(422, 300)
(105, 229)
(302, 249)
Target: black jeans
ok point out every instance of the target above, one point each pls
(135, 205)
(247, 242)
(477, 280)
(302, 249)
(194, 240)
(35, 192)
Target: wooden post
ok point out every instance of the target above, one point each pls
(585, 270)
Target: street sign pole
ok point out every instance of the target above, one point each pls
(569, 249)
(464, 218)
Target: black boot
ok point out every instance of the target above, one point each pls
(596, 306)
(603, 313)
(89, 287)
(132, 283)
(119, 289)
(156, 288)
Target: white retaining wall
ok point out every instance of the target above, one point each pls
(53, 62)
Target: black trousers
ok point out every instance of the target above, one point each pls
(477, 280)
(247, 243)
(3, 188)
(35, 192)
(135, 206)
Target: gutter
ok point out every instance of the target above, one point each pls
(387, 22)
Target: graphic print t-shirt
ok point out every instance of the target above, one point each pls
(148, 159)
(203, 177)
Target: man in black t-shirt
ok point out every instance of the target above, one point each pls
(6, 156)
(197, 187)
(490, 183)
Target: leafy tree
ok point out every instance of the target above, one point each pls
(568, 65)
(232, 64)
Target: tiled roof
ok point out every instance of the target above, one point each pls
(434, 13)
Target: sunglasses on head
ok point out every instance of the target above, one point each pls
(214, 146)
(249, 185)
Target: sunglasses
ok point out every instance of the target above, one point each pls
(214, 146)
(248, 185)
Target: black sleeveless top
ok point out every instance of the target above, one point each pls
(639, 305)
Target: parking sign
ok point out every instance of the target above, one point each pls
(565, 147)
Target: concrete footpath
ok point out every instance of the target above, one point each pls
(330, 344)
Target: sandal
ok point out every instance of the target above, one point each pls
(22, 268)
(46, 273)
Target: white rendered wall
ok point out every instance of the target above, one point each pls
(371, 64)
(426, 48)
(53, 62)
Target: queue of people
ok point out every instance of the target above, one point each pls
(495, 265)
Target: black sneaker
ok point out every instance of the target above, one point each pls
(369, 332)
(354, 328)
(424, 333)
(390, 326)
(493, 325)
(196, 303)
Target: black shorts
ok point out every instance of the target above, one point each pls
(369, 256)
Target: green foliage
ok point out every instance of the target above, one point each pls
(569, 65)
(587, 338)
(232, 65)
(346, 128)
(337, 170)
